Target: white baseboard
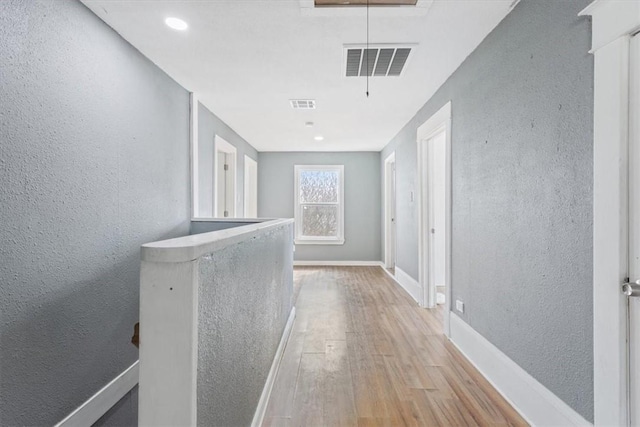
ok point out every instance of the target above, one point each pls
(98, 404)
(409, 284)
(537, 405)
(386, 270)
(338, 263)
(258, 416)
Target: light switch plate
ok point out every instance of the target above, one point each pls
(459, 306)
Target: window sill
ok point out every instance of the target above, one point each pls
(318, 242)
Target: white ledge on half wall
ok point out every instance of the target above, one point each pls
(320, 263)
(239, 220)
(188, 248)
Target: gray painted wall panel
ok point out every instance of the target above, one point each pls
(522, 107)
(95, 162)
(209, 125)
(362, 200)
(245, 297)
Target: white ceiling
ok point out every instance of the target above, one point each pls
(246, 58)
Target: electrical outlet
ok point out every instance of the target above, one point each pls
(459, 306)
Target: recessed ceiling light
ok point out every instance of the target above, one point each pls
(309, 124)
(176, 23)
(319, 138)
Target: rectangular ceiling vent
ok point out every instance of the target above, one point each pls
(303, 104)
(377, 61)
(372, 3)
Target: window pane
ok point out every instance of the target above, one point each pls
(320, 220)
(318, 186)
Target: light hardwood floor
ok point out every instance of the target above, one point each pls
(362, 353)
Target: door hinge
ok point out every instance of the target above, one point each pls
(226, 167)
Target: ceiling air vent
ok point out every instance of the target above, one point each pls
(303, 104)
(379, 61)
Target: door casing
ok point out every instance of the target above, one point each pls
(389, 211)
(613, 25)
(222, 146)
(439, 122)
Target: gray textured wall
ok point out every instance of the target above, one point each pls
(209, 125)
(522, 193)
(362, 200)
(245, 298)
(94, 162)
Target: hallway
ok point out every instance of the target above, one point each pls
(363, 353)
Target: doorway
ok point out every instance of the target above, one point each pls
(434, 207)
(250, 187)
(224, 197)
(390, 213)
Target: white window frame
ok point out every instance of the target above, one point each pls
(319, 240)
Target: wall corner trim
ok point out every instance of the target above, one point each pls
(98, 404)
(302, 263)
(537, 404)
(409, 284)
(261, 409)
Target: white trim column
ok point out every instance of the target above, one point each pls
(193, 145)
(614, 22)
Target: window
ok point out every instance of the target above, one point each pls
(319, 209)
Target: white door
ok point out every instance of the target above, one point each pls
(225, 185)
(221, 185)
(634, 231)
(436, 170)
(250, 187)
(436, 157)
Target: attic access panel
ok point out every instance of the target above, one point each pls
(347, 3)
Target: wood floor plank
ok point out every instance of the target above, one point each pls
(362, 353)
(308, 402)
(281, 401)
(277, 422)
(339, 402)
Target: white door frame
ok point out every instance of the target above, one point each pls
(614, 23)
(220, 144)
(249, 161)
(389, 244)
(193, 146)
(440, 121)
